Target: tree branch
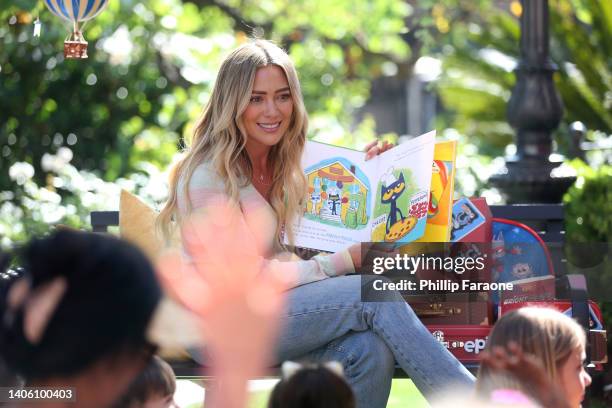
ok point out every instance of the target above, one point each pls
(241, 23)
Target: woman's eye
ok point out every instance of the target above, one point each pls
(285, 97)
(255, 98)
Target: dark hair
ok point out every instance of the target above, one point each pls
(110, 297)
(313, 386)
(157, 379)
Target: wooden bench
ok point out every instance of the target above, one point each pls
(546, 219)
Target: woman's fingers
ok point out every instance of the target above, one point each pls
(372, 152)
(372, 149)
(386, 146)
(370, 145)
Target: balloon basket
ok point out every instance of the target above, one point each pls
(75, 49)
(75, 46)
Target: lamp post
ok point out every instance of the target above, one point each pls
(534, 111)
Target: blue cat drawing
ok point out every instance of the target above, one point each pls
(389, 195)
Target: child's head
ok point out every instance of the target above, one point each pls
(80, 312)
(556, 340)
(312, 386)
(153, 388)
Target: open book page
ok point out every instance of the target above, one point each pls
(351, 200)
(338, 207)
(402, 191)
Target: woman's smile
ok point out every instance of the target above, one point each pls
(270, 127)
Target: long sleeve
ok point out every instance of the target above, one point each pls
(319, 267)
(258, 222)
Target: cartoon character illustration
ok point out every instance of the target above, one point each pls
(522, 270)
(439, 181)
(315, 199)
(397, 225)
(333, 199)
(471, 250)
(356, 211)
(463, 218)
(332, 185)
(391, 191)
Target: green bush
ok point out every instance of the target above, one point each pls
(67, 197)
(588, 220)
(589, 205)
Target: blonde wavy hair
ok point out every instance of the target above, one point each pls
(545, 333)
(220, 138)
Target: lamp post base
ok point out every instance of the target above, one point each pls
(533, 181)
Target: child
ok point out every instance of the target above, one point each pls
(153, 388)
(312, 386)
(79, 315)
(539, 352)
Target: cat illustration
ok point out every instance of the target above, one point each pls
(334, 200)
(465, 217)
(391, 190)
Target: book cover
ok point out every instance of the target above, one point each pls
(539, 288)
(467, 219)
(440, 208)
(351, 200)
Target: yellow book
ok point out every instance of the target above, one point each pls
(440, 210)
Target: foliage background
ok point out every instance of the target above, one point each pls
(73, 132)
(122, 115)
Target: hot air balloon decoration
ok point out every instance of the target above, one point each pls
(76, 11)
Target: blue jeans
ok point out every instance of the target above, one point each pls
(326, 320)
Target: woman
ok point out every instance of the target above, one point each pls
(546, 359)
(247, 148)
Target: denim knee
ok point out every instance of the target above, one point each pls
(377, 351)
(368, 354)
(369, 293)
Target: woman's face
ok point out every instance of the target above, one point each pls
(268, 114)
(573, 378)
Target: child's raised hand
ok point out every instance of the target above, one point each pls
(237, 294)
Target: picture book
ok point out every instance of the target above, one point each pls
(465, 219)
(440, 208)
(538, 288)
(351, 200)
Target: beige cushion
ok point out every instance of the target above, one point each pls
(137, 224)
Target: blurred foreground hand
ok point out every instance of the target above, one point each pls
(237, 293)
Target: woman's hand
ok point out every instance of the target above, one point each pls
(373, 149)
(363, 252)
(356, 256)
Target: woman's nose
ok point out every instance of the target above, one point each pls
(271, 109)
